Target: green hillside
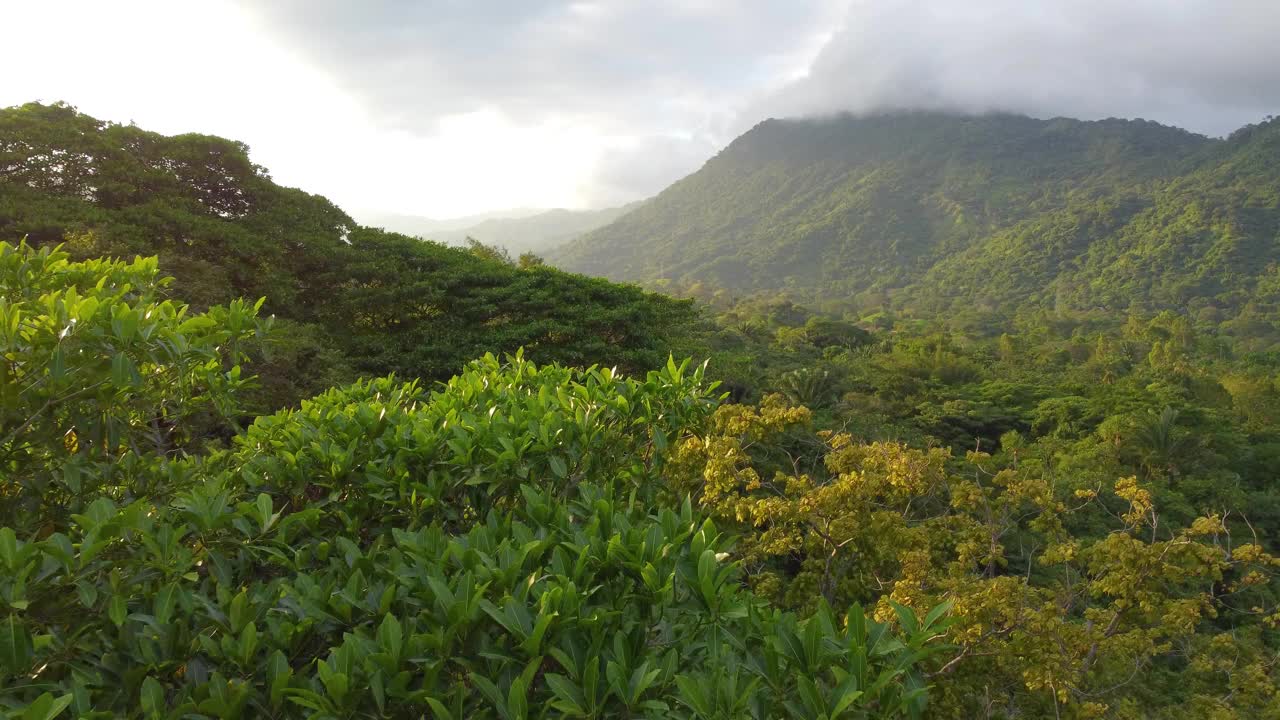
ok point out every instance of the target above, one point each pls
(940, 212)
(353, 300)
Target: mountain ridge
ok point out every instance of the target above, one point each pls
(836, 208)
(535, 233)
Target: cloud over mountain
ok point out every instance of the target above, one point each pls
(651, 89)
(1208, 65)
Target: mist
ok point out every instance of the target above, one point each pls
(1209, 66)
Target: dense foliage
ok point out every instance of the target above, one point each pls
(1048, 474)
(491, 549)
(353, 300)
(1069, 599)
(1097, 496)
(102, 382)
(1044, 388)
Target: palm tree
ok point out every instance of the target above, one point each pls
(811, 388)
(1156, 438)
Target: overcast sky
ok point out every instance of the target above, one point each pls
(451, 107)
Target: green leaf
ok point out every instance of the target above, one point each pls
(278, 674)
(123, 372)
(906, 616)
(659, 440)
(492, 693)
(533, 643)
(152, 697)
(87, 592)
(16, 648)
(248, 644)
(118, 610)
(265, 511)
(846, 696)
(164, 603)
(379, 690)
(58, 366)
(46, 707)
(569, 694)
(391, 636)
(239, 616)
(336, 684)
(517, 700)
(692, 693)
(437, 707)
(937, 612)
(810, 695)
(9, 548)
(558, 466)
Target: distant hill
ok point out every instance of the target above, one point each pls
(534, 233)
(945, 212)
(419, 226)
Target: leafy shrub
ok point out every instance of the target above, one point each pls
(496, 548)
(102, 382)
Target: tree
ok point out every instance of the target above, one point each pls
(529, 260)
(102, 383)
(489, 252)
(1157, 438)
(1048, 620)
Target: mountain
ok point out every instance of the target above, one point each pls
(534, 233)
(419, 226)
(945, 212)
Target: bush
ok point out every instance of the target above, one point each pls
(501, 547)
(103, 383)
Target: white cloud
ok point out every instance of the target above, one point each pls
(209, 67)
(626, 65)
(450, 107)
(648, 88)
(1207, 65)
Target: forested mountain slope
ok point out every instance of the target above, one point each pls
(933, 210)
(354, 300)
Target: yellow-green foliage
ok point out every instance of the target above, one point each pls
(1050, 619)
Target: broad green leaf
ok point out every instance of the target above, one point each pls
(47, 707)
(8, 548)
(118, 610)
(152, 697)
(16, 647)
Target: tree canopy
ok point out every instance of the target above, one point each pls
(352, 300)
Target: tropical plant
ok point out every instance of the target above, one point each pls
(1157, 438)
(104, 384)
(1051, 618)
(807, 386)
(494, 548)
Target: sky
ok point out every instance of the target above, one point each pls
(445, 108)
